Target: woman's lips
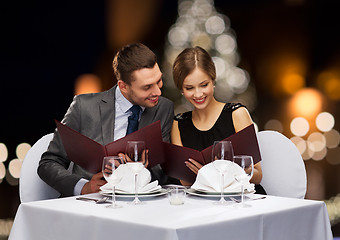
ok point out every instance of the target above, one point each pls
(200, 101)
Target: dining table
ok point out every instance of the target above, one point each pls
(269, 218)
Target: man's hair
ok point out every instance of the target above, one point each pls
(190, 59)
(131, 58)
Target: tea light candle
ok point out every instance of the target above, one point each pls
(176, 200)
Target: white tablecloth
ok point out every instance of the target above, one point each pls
(273, 218)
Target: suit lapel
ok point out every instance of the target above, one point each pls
(107, 115)
(147, 117)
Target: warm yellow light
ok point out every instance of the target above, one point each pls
(332, 88)
(329, 82)
(292, 82)
(299, 126)
(306, 103)
(87, 83)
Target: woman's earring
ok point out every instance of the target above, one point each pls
(182, 93)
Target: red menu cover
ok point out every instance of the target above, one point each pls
(244, 143)
(89, 154)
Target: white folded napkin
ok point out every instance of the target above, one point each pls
(209, 179)
(126, 181)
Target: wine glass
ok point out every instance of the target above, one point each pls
(247, 164)
(222, 155)
(135, 160)
(110, 164)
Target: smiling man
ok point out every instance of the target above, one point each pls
(104, 116)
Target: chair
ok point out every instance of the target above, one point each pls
(283, 169)
(31, 187)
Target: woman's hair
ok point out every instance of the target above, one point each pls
(188, 60)
(131, 58)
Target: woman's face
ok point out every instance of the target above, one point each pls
(198, 89)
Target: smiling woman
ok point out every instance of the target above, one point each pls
(194, 74)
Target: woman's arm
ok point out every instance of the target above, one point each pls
(176, 139)
(175, 134)
(241, 120)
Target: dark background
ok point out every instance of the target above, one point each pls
(46, 45)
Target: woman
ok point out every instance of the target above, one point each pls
(194, 74)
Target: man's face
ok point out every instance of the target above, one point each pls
(145, 87)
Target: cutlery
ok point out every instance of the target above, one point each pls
(238, 200)
(97, 201)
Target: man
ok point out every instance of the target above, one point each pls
(103, 117)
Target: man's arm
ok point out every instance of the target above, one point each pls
(167, 116)
(54, 162)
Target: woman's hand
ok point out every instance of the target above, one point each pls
(193, 165)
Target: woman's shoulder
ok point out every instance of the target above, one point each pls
(183, 116)
(230, 107)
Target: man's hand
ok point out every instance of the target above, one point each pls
(144, 160)
(94, 184)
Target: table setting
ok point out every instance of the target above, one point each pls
(131, 206)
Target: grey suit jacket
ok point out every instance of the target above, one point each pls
(93, 115)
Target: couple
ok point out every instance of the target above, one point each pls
(103, 116)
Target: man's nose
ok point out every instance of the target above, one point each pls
(157, 91)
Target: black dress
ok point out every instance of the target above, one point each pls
(196, 139)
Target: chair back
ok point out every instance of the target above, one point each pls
(31, 187)
(283, 169)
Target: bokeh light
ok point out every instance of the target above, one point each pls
(87, 83)
(316, 141)
(292, 82)
(324, 121)
(225, 44)
(299, 126)
(22, 149)
(215, 25)
(220, 65)
(10, 179)
(14, 168)
(274, 125)
(332, 138)
(2, 171)
(317, 156)
(3, 152)
(202, 39)
(178, 37)
(306, 103)
(300, 143)
(329, 82)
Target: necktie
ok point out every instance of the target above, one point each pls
(133, 119)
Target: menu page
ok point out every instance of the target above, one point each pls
(244, 143)
(89, 154)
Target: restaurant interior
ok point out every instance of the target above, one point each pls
(280, 58)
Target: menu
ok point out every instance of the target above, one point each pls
(89, 154)
(244, 142)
